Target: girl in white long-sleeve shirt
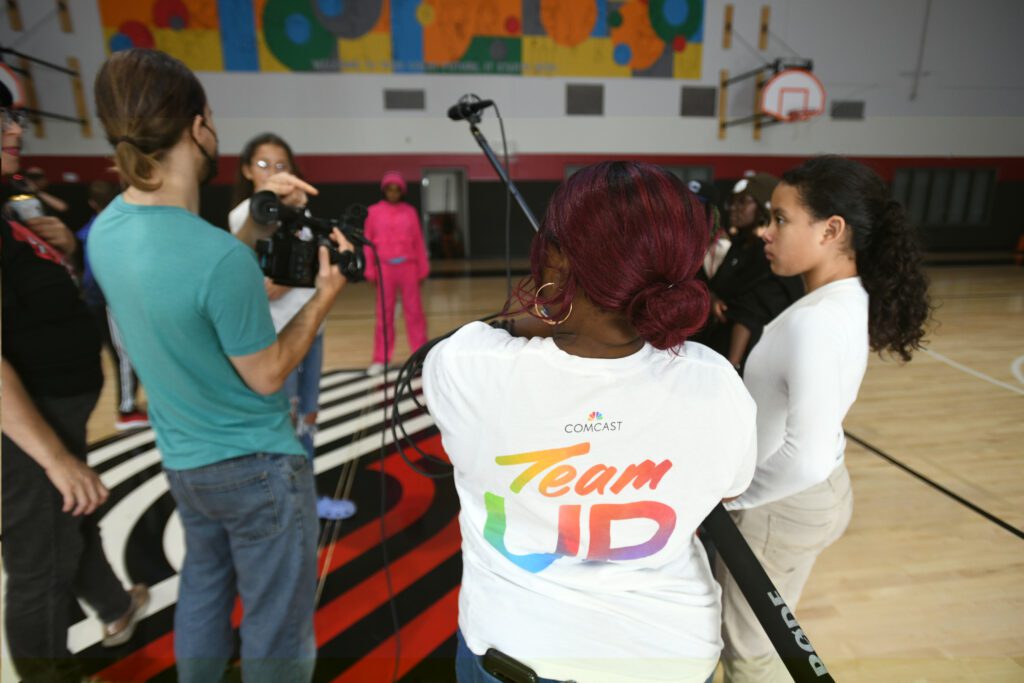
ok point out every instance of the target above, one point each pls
(834, 225)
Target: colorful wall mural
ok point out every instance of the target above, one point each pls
(535, 38)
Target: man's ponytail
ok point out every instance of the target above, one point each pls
(146, 100)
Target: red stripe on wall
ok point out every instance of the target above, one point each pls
(368, 168)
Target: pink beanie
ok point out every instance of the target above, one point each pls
(393, 178)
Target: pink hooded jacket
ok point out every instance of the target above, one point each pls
(395, 230)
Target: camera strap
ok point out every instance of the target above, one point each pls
(777, 619)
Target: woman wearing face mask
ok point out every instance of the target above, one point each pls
(393, 226)
(746, 295)
(834, 226)
(262, 157)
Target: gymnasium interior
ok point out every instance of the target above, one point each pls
(925, 585)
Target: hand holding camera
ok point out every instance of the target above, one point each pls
(292, 256)
(330, 280)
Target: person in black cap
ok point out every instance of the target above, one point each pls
(746, 296)
(52, 551)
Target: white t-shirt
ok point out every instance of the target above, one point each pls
(804, 374)
(715, 255)
(282, 309)
(582, 483)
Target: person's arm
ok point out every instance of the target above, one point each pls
(81, 488)
(370, 254)
(252, 232)
(55, 203)
(266, 370)
(738, 343)
(718, 309)
(811, 369)
(274, 290)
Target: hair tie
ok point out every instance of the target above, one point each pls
(123, 138)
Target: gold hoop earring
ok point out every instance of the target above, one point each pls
(541, 312)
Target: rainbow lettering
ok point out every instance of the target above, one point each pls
(556, 478)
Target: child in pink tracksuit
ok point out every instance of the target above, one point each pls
(394, 227)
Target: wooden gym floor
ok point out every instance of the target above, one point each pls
(928, 582)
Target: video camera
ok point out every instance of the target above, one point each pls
(289, 259)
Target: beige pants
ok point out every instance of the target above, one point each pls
(786, 536)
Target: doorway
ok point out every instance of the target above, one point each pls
(445, 213)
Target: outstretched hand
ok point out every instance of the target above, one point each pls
(292, 190)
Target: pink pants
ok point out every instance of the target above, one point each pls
(399, 278)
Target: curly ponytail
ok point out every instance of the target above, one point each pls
(145, 99)
(887, 249)
(890, 269)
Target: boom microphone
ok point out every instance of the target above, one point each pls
(464, 110)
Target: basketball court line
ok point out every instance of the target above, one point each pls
(937, 486)
(975, 373)
(1017, 368)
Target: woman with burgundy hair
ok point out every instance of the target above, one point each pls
(590, 440)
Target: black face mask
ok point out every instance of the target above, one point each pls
(210, 170)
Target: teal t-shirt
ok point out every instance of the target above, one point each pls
(185, 296)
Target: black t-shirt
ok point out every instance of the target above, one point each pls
(49, 336)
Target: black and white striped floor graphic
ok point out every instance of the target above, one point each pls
(143, 540)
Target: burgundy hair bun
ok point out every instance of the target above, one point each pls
(667, 315)
(633, 237)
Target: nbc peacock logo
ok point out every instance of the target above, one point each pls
(596, 422)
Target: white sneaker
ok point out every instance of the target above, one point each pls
(375, 369)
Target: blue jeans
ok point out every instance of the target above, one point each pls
(302, 387)
(469, 668)
(250, 530)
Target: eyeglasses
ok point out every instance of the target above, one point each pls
(265, 165)
(739, 201)
(12, 117)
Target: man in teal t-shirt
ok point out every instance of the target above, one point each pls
(158, 264)
(194, 317)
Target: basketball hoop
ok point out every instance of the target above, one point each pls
(797, 115)
(793, 95)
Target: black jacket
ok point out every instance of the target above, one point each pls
(49, 335)
(753, 295)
